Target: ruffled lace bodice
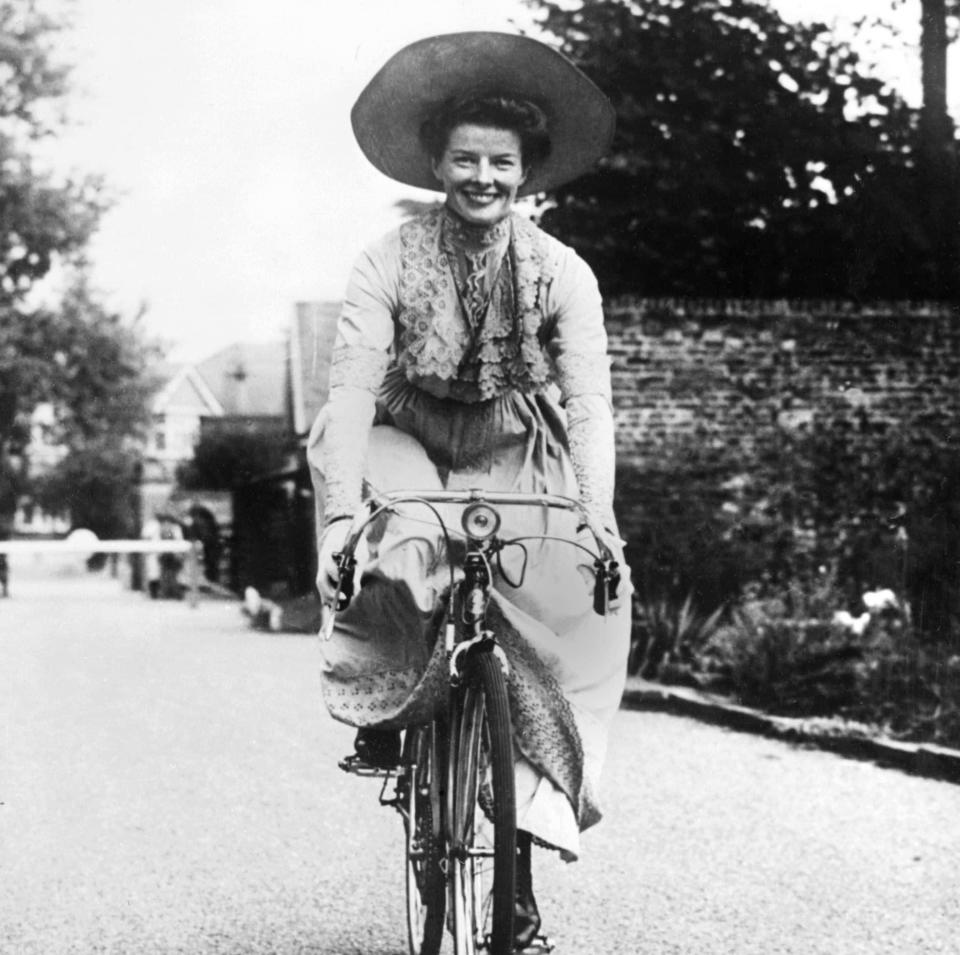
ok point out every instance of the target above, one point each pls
(446, 332)
(471, 312)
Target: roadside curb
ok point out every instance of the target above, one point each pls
(836, 736)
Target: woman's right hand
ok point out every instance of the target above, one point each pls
(328, 572)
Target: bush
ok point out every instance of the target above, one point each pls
(718, 522)
(686, 534)
(668, 640)
(812, 660)
(786, 666)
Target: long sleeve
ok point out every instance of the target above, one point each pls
(578, 348)
(337, 446)
(590, 432)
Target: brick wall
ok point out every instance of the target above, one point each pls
(724, 371)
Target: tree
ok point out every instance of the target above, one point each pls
(41, 218)
(752, 157)
(97, 483)
(937, 152)
(89, 364)
(221, 461)
(98, 378)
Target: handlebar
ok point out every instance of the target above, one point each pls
(605, 565)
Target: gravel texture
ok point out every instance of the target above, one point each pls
(168, 785)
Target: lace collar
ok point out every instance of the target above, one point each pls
(470, 237)
(438, 348)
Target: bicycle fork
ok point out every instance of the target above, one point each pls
(474, 596)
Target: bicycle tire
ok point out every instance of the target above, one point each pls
(483, 798)
(426, 890)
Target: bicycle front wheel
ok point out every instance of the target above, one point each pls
(483, 812)
(425, 883)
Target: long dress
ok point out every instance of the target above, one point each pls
(477, 358)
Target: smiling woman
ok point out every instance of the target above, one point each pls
(481, 151)
(481, 170)
(471, 353)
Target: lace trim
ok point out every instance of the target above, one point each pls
(356, 366)
(544, 723)
(435, 339)
(545, 728)
(337, 449)
(468, 236)
(583, 375)
(590, 438)
(374, 699)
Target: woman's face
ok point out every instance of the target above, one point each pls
(481, 170)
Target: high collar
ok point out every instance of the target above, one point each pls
(471, 237)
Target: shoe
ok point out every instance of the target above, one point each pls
(376, 751)
(526, 916)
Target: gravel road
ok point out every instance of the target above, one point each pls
(168, 785)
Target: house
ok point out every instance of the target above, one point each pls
(176, 412)
(249, 381)
(241, 388)
(242, 385)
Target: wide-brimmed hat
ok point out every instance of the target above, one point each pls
(418, 79)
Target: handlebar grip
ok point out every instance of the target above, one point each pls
(613, 580)
(606, 585)
(346, 564)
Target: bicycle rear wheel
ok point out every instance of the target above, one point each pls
(483, 812)
(425, 882)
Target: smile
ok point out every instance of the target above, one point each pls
(483, 197)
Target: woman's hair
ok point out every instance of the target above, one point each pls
(522, 117)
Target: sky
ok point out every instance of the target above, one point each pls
(222, 130)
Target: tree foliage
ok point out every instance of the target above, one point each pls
(223, 460)
(89, 364)
(753, 157)
(94, 368)
(41, 217)
(97, 484)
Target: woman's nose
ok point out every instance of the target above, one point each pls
(484, 171)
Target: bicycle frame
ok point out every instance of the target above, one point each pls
(477, 745)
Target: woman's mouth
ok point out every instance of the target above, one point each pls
(481, 198)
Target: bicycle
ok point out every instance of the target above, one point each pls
(454, 787)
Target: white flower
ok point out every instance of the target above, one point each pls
(856, 625)
(877, 600)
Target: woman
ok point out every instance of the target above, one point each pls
(471, 352)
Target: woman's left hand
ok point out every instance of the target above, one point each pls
(328, 570)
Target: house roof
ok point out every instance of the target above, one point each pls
(311, 344)
(184, 390)
(248, 378)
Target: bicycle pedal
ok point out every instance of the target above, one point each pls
(541, 945)
(357, 767)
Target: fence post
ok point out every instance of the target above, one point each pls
(193, 572)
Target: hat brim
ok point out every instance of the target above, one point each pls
(414, 82)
